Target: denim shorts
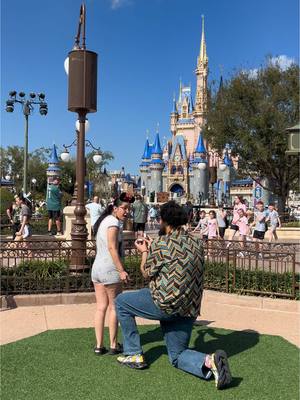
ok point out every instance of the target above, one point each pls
(106, 277)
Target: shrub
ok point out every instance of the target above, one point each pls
(6, 198)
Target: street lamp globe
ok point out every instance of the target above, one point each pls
(97, 158)
(66, 65)
(110, 183)
(65, 156)
(87, 125)
(7, 177)
(143, 187)
(33, 180)
(222, 166)
(202, 165)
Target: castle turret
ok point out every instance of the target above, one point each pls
(144, 166)
(174, 117)
(156, 166)
(200, 179)
(53, 169)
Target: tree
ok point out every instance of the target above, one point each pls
(251, 112)
(97, 173)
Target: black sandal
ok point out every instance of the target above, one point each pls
(117, 350)
(99, 351)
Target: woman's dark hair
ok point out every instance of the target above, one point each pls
(213, 213)
(123, 198)
(25, 200)
(173, 214)
(240, 199)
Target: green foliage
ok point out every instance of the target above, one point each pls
(6, 198)
(39, 276)
(251, 113)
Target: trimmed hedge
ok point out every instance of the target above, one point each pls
(36, 276)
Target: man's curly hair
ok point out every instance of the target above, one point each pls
(173, 214)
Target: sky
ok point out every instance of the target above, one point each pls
(144, 48)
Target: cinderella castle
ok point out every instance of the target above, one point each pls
(185, 166)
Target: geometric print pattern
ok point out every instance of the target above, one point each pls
(175, 266)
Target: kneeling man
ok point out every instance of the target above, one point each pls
(174, 263)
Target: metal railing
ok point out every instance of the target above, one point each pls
(251, 268)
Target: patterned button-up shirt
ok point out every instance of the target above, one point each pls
(175, 266)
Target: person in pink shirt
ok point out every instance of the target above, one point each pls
(238, 205)
(243, 225)
(213, 229)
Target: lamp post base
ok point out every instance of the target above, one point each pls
(79, 235)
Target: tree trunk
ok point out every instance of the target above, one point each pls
(281, 203)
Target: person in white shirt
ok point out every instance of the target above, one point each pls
(108, 272)
(95, 210)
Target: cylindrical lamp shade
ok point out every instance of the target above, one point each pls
(212, 175)
(82, 81)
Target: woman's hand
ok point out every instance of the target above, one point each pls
(124, 276)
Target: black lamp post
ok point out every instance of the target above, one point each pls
(82, 99)
(27, 108)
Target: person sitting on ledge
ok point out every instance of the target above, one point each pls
(174, 263)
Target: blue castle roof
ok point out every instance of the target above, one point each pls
(200, 146)
(146, 150)
(156, 148)
(53, 156)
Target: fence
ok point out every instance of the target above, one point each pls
(45, 267)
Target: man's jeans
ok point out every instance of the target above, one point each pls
(176, 330)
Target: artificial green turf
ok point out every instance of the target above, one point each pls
(61, 365)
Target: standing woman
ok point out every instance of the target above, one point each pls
(108, 272)
(238, 205)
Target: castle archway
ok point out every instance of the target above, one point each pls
(177, 190)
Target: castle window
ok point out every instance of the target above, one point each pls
(180, 170)
(173, 170)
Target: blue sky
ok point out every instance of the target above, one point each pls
(144, 47)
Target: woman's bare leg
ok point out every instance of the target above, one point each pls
(112, 292)
(101, 307)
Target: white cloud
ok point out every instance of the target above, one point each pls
(115, 4)
(283, 61)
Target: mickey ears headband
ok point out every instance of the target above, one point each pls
(127, 198)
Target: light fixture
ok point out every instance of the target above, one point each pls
(87, 125)
(43, 109)
(32, 95)
(41, 96)
(97, 158)
(65, 156)
(222, 166)
(9, 106)
(21, 94)
(66, 65)
(202, 165)
(12, 93)
(7, 177)
(33, 180)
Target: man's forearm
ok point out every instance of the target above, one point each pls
(143, 262)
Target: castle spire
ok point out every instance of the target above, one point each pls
(203, 55)
(200, 146)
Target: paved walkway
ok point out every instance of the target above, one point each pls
(266, 316)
